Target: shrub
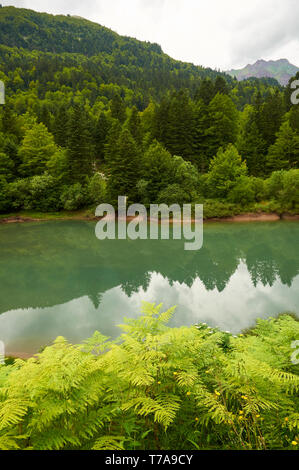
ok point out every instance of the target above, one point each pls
(259, 188)
(73, 197)
(242, 192)
(44, 193)
(274, 184)
(19, 192)
(215, 208)
(289, 194)
(225, 169)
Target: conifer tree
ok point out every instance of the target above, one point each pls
(124, 168)
(134, 125)
(284, 153)
(37, 148)
(252, 147)
(206, 91)
(112, 139)
(220, 86)
(271, 118)
(201, 143)
(175, 125)
(118, 109)
(60, 127)
(100, 136)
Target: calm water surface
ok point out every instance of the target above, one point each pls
(57, 278)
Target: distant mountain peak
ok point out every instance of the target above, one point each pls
(282, 70)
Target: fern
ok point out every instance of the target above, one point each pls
(156, 387)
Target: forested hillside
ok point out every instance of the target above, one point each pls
(91, 115)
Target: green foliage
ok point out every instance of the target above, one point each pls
(43, 193)
(225, 170)
(243, 191)
(37, 148)
(284, 186)
(82, 100)
(214, 208)
(124, 167)
(5, 200)
(6, 167)
(156, 388)
(79, 145)
(284, 154)
(97, 189)
(223, 123)
(172, 194)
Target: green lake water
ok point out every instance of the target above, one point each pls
(58, 279)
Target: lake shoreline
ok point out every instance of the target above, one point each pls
(246, 217)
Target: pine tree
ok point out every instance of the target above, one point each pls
(271, 118)
(134, 125)
(118, 109)
(220, 86)
(201, 142)
(80, 149)
(252, 147)
(112, 139)
(44, 116)
(100, 136)
(175, 125)
(60, 126)
(206, 91)
(284, 154)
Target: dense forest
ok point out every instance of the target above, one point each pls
(90, 115)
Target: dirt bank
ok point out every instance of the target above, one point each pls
(250, 217)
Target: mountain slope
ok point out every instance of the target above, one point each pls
(282, 70)
(58, 33)
(65, 41)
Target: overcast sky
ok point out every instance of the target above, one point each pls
(214, 33)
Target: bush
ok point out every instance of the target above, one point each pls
(73, 197)
(289, 195)
(284, 187)
(259, 188)
(274, 184)
(225, 170)
(215, 208)
(19, 192)
(44, 193)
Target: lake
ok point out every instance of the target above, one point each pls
(58, 279)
